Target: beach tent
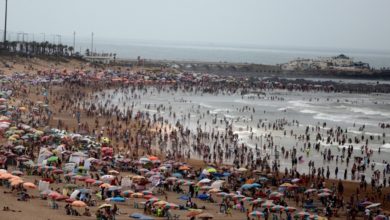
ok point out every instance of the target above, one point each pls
(43, 154)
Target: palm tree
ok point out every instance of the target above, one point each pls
(71, 49)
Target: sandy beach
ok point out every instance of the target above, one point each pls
(64, 114)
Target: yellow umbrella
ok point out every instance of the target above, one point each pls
(286, 185)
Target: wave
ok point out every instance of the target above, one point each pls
(386, 146)
(368, 111)
(308, 111)
(299, 103)
(335, 118)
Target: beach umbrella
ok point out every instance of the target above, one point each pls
(28, 185)
(257, 214)
(302, 214)
(194, 212)
(113, 172)
(325, 190)
(114, 188)
(145, 217)
(267, 204)
(286, 185)
(184, 167)
(211, 170)
(52, 159)
(107, 177)
(188, 183)
(136, 215)
(17, 173)
(324, 194)
(148, 196)
(308, 191)
(160, 203)
(62, 197)
(222, 194)
(256, 185)
(171, 206)
(153, 200)
(238, 197)
(290, 209)
(116, 199)
(205, 215)
(366, 203)
(147, 192)
(79, 204)
(153, 158)
(5, 176)
(242, 169)
(172, 178)
(275, 195)
(89, 180)
(214, 190)
(105, 206)
(105, 185)
(247, 199)
(257, 201)
(54, 194)
(137, 195)
(374, 205)
(204, 181)
(296, 180)
(58, 171)
(184, 198)
(277, 208)
(203, 196)
(70, 186)
(97, 183)
(177, 175)
(16, 182)
(246, 186)
(127, 193)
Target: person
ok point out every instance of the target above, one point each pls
(87, 212)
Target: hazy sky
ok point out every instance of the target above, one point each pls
(300, 23)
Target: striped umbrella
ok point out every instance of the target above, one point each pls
(257, 214)
(324, 194)
(267, 204)
(127, 193)
(290, 209)
(171, 206)
(137, 195)
(277, 208)
(153, 200)
(247, 199)
(257, 201)
(302, 214)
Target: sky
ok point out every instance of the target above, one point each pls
(361, 24)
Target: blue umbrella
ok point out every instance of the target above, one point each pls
(256, 185)
(114, 188)
(203, 196)
(136, 215)
(226, 174)
(178, 175)
(185, 198)
(263, 179)
(146, 218)
(84, 190)
(247, 186)
(217, 174)
(117, 199)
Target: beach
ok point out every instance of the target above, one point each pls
(201, 125)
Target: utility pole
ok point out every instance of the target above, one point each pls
(5, 23)
(74, 40)
(92, 44)
(59, 38)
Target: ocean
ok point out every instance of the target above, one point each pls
(161, 50)
(198, 110)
